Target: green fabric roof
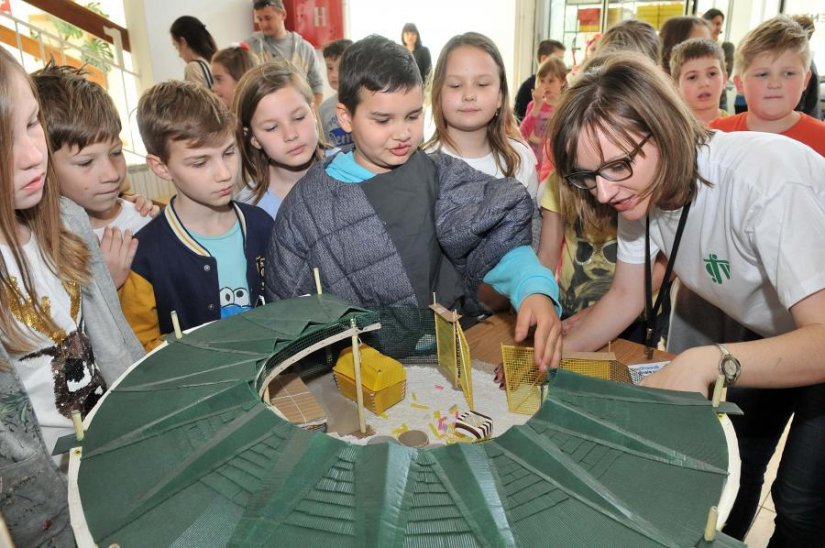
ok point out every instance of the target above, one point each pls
(183, 452)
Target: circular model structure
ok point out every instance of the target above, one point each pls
(182, 451)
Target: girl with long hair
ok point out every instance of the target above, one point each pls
(64, 338)
(471, 112)
(278, 132)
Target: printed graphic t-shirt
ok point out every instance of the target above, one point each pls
(227, 249)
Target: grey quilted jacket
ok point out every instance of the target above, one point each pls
(433, 224)
(32, 490)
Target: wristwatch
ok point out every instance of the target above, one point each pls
(729, 366)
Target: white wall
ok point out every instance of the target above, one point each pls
(149, 20)
(438, 21)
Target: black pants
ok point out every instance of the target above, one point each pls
(799, 489)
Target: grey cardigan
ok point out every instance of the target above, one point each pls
(33, 492)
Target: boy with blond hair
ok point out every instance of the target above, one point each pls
(389, 225)
(697, 66)
(202, 258)
(83, 129)
(772, 70)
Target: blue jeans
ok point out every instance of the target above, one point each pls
(799, 490)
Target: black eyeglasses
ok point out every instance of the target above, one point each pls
(614, 170)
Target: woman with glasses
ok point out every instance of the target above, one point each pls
(740, 217)
(584, 254)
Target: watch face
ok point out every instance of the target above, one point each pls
(729, 368)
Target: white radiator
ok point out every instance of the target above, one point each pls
(144, 182)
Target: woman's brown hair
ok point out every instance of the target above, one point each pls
(237, 60)
(625, 97)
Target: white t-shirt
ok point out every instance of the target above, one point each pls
(752, 244)
(526, 174)
(127, 219)
(49, 381)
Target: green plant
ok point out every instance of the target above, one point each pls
(101, 50)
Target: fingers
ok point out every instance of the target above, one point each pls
(106, 240)
(498, 378)
(130, 245)
(144, 206)
(540, 338)
(118, 248)
(524, 319)
(548, 343)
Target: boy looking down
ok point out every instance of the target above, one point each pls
(202, 258)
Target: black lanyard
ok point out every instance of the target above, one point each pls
(652, 310)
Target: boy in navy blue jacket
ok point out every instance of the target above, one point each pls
(203, 257)
(389, 225)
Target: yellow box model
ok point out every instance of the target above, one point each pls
(383, 378)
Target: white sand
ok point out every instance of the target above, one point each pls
(427, 387)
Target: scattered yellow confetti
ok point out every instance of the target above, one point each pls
(419, 405)
(400, 430)
(384, 416)
(437, 414)
(453, 409)
(435, 431)
(414, 397)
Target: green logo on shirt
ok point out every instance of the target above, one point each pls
(718, 269)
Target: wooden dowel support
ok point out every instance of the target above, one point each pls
(176, 325)
(718, 387)
(317, 275)
(359, 389)
(710, 526)
(77, 422)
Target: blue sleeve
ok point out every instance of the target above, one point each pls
(519, 274)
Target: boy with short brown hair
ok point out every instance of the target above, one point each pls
(333, 132)
(388, 225)
(83, 128)
(697, 66)
(772, 70)
(202, 258)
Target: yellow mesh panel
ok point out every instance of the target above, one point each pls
(446, 341)
(465, 366)
(602, 365)
(522, 379)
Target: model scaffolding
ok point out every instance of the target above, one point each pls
(453, 351)
(523, 382)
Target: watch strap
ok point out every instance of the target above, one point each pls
(727, 357)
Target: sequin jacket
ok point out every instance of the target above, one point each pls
(33, 492)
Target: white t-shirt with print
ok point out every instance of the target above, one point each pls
(35, 372)
(526, 174)
(753, 242)
(128, 219)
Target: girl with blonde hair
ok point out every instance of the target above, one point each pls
(64, 338)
